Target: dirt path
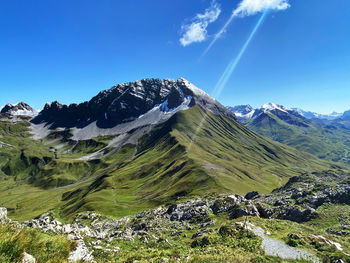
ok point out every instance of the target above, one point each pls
(277, 248)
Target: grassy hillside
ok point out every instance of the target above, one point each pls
(326, 140)
(164, 165)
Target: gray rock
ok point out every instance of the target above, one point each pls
(27, 258)
(226, 203)
(3, 215)
(251, 195)
(81, 253)
(237, 213)
(264, 211)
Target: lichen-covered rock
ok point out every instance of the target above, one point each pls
(226, 203)
(3, 215)
(27, 258)
(296, 214)
(81, 253)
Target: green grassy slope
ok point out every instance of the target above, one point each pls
(44, 247)
(224, 157)
(239, 159)
(329, 142)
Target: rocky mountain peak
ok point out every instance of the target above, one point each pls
(246, 112)
(242, 112)
(130, 101)
(19, 109)
(267, 107)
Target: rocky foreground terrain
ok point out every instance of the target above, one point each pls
(199, 222)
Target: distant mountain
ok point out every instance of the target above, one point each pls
(316, 134)
(314, 115)
(346, 115)
(246, 112)
(19, 109)
(242, 112)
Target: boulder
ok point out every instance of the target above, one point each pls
(3, 215)
(27, 258)
(225, 204)
(237, 213)
(264, 211)
(296, 214)
(251, 195)
(249, 210)
(81, 253)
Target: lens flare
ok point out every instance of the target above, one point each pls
(219, 34)
(234, 62)
(228, 72)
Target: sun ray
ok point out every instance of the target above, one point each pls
(228, 73)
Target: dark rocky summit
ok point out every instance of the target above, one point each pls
(127, 102)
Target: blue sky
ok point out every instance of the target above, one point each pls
(70, 50)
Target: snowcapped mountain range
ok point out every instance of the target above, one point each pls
(242, 111)
(19, 109)
(314, 115)
(246, 112)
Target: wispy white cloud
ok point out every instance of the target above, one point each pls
(196, 31)
(249, 8)
(252, 7)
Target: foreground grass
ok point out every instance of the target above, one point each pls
(48, 248)
(217, 246)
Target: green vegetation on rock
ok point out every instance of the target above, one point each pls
(45, 247)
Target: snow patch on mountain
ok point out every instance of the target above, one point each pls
(246, 112)
(268, 107)
(242, 112)
(196, 91)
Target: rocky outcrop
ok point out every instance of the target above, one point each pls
(81, 253)
(299, 198)
(252, 195)
(48, 223)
